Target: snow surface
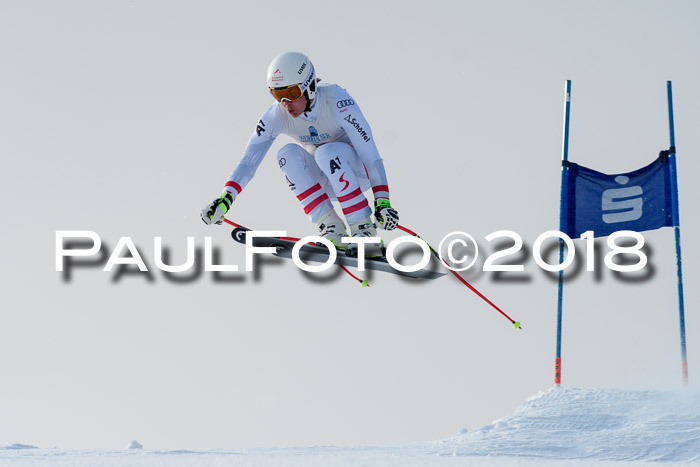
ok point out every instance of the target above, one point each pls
(562, 427)
(604, 424)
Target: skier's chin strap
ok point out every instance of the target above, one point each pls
(309, 107)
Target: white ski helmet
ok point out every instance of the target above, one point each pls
(289, 75)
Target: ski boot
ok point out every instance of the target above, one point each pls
(367, 228)
(332, 227)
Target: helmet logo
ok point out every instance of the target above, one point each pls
(303, 65)
(308, 80)
(276, 78)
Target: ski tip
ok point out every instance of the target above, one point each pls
(516, 325)
(364, 284)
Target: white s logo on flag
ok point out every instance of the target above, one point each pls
(629, 198)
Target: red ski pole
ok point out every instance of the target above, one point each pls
(516, 324)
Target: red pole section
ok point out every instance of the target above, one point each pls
(461, 279)
(231, 223)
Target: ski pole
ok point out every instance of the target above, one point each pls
(231, 223)
(516, 324)
(362, 282)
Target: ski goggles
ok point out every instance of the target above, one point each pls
(291, 93)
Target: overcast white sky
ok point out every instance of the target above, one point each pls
(125, 118)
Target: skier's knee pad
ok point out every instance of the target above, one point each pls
(329, 151)
(336, 156)
(290, 155)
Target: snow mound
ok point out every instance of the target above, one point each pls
(601, 424)
(134, 445)
(17, 446)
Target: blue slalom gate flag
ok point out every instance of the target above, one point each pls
(645, 199)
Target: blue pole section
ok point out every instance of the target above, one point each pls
(562, 213)
(677, 231)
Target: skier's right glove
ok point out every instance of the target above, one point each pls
(387, 217)
(215, 211)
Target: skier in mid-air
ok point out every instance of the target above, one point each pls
(334, 158)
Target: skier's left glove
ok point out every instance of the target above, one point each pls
(387, 217)
(214, 212)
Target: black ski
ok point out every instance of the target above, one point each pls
(319, 254)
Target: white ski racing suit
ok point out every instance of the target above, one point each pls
(334, 158)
